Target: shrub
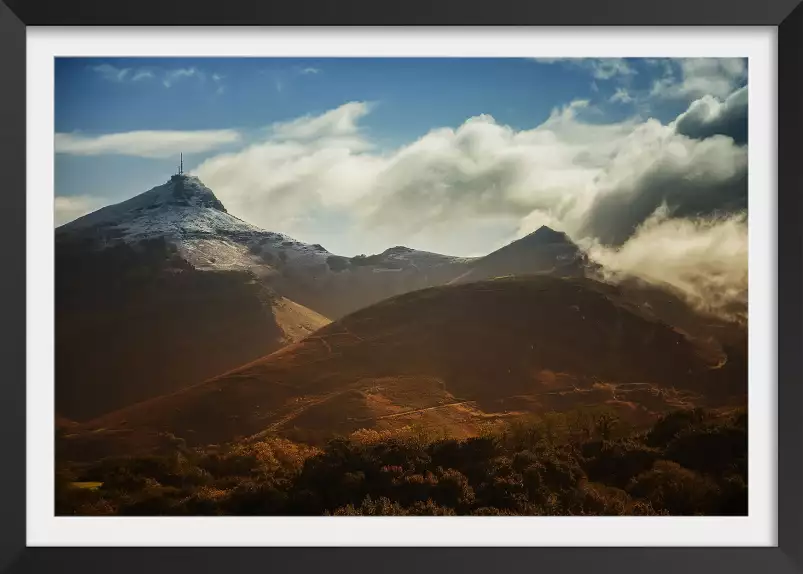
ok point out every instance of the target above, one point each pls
(697, 465)
(600, 500)
(257, 499)
(711, 449)
(154, 501)
(380, 507)
(205, 501)
(679, 491)
(605, 424)
(669, 425)
(617, 462)
(734, 497)
(503, 493)
(452, 489)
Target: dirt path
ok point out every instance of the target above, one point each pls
(283, 420)
(722, 363)
(323, 339)
(414, 411)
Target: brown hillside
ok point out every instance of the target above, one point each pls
(132, 324)
(447, 356)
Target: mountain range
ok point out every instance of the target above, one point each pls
(176, 318)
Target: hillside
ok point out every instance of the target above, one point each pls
(542, 251)
(167, 288)
(159, 292)
(137, 322)
(455, 357)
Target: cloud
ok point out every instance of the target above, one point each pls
(599, 68)
(142, 75)
(658, 166)
(589, 179)
(149, 144)
(218, 80)
(649, 200)
(621, 96)
(710, 116)
(705, 259)
(339, 122)
(308, 71)
(171, 77)
(115, 74)
(699, 77)
(112, 73)
(69, 207)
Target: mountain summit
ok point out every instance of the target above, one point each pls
(546, 236)
(542, 251)
(183, 206)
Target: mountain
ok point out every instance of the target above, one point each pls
(186, 214)
(158, 292)
(455, 357)
(351, 283)
(167, 289)
(542, 251)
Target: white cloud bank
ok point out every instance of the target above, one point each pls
(662, 201)
(704, 258)
(709, 116)
(150, 144)
(594, 180)
(698, 77)
(72, 207)
(602, 183)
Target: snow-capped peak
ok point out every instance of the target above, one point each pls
(180, 191)
(181, 207)
(186, 213)
(189, 190)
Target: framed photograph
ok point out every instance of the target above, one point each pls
(522, 284)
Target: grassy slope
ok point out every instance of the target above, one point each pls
(471, 352)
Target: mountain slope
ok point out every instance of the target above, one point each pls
(159, 292)
(449, 356)
(167, 289)
(188, 215)
(542, 251)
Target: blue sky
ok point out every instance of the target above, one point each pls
(416, 94)
(120, 124)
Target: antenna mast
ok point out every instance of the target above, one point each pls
(181, 165)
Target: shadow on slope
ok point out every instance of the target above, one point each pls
(133, 322)
(517, 344)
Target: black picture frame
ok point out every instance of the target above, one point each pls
(15, 15)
